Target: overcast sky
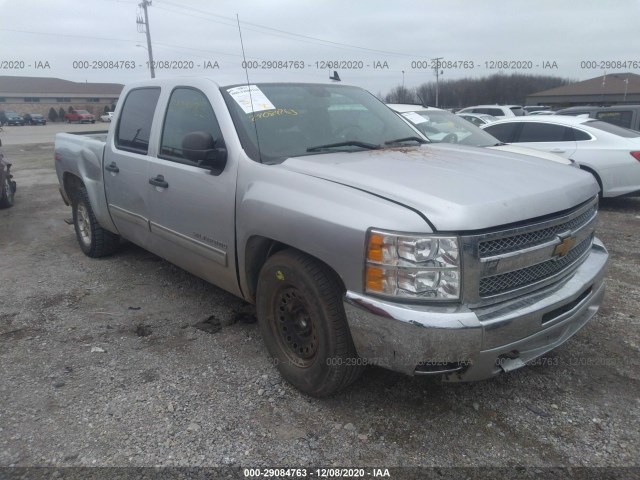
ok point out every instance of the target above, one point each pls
(63, 37)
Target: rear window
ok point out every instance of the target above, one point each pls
(134, 127)
(622, 118)
(517, 111)
(614, 129)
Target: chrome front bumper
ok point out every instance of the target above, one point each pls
(464, 344)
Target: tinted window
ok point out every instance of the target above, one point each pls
(517, 111)
(580, 136)
(134, 127)
(544, 132)
(502, 131)
(609, 128)
(189, 111)
(620, 118)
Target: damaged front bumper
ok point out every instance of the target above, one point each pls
(463, 344)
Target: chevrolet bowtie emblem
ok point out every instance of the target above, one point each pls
(565, 245)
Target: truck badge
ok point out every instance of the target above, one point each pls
(566, 244)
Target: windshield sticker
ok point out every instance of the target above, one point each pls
(251, 93)
(415, 118)
(273, 113)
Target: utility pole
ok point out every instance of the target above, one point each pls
(143, 26)
(437, 67)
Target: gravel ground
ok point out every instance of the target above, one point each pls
(102, 364)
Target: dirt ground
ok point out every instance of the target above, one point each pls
(101, 365)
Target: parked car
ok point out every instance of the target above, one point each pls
(80, 116)
(358, 241)
(12, 118)
(609, 152)
(477, 118)
(626, 116)
(7, 184)
(106, 117)
(442, 126)
(34, 119)
(536, 108)
(498, 111)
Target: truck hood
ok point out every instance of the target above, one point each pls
(456, 188)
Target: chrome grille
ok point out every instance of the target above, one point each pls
(517, 242)
(509, 262)
(526, 276)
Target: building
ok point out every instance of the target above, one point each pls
(40, 94)
(608, 89)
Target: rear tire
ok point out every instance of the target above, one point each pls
(303, 324)
(6, 194)
(94, 240)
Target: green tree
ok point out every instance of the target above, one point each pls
(53, 115)
(61, 114)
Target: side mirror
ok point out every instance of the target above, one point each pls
(200, 147)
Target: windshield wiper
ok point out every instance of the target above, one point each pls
(348, 143)
(406, 139)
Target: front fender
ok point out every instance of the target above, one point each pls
(324, 219)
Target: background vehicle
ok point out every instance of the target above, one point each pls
(106, 117)
(442, 126)
(542, 112)
(34, 119)
(609, 152)
(536, 108)
(626, 116)
(80, 116)
(358, 241)
(12, 118)
(7, 184)
(498, 111)
(477, 118)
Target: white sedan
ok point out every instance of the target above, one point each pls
(107, 117)
(609, 152)
(440, 126)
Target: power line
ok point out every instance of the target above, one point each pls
(279, 32)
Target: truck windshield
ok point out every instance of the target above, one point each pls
(279, 121)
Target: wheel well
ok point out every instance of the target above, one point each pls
(258, 250)
(597, 177)
(72, 185)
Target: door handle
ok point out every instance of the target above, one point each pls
(557, 150)
(159, 181)
(112, 167)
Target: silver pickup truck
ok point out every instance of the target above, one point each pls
(359, 242)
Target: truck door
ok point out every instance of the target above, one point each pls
(192, 211)
(125, 166)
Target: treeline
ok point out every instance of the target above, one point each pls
(498, 88)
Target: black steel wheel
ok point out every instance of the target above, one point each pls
(303, 323)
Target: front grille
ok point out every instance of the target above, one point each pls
(526, 276)
(509, 262)
(525, 240)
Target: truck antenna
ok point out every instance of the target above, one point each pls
(246, 72)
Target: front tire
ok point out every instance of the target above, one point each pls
(94, 240)
(303, 324)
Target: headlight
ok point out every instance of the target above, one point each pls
(413, 266)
